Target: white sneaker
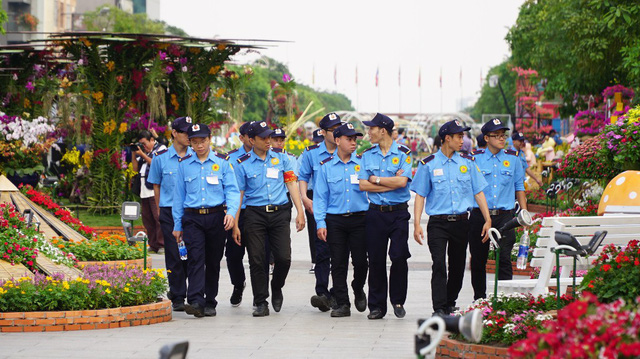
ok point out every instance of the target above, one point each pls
(313, 269)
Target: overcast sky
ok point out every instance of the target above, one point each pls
(461, 39)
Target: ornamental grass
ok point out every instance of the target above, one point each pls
(99, 287)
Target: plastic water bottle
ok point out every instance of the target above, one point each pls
(523, 251)
(183, 250)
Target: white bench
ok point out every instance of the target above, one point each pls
(621, 228)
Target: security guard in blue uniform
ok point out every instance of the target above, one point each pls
(339, 208)
(505, 177)
(518, 147)
(264, 175)
(385, 174)
(163, 174)
(308, 173)
(234, 252)
(449, 180)
(205, 187)
(317, 138)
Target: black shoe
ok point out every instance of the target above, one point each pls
(261, 311)
(451, 309)
(332, 303)
(194, 309)
(399, 311)
(321, 302)
(342, 311)
(439, 313)
(178, 306)
(236, 296)
(209, 311)
(360, 300)
(276, 299)
(375, 314)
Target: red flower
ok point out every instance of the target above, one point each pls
(606, 267)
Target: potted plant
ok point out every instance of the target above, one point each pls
(23, 146)
(27, 21)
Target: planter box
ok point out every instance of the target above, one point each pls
(132, 262)
(491, 268)
(450, 348)
(117, 230)
(86, 319)
(536, 208)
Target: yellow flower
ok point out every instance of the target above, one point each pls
(109, 126)
(27, 103)
(111, 65)
(65, 82)
(87, 158)
(108, 291)
(85, 41)
(22, 292)
(307, 142)
(214, 70)
(98, 96)
(65, 285)
(221, 47)
(220, 92)
(174, 101)
(123, 127)
(195, 50)
(126, 289)
(194, 97)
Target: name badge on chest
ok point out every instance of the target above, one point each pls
(354, 179)
(212, 180)
(438, 172)
(272, 172)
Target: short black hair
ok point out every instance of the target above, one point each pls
(146, 135)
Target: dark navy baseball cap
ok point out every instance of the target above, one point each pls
(278, 132)
(345, 130)
(259, 129)
(244, 128)
(182, 124)
(380, 120)
(199, 130)
(518, 136)
(317, 136)
(329, 120)
(481, 141)
(452, 127)
(493, 125)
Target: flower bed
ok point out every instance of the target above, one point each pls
(451, 348)
(86, 319)
(99, 287)
(585, 329)
(19, 244)
(61, 213)
(621, 141)
(587, 161)
(105, 247)
(512, 316)
(131, 262)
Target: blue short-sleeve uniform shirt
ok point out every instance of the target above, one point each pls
(374, 163)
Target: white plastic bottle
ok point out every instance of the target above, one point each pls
(183, 250)
(523, 251)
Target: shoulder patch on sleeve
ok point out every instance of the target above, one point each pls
(309, 148)
(326, 160)
(185, 157)
(232, 151)
(278, 150)
(404, 149)
(511, 152)
(469, 157)
(224, 156)
(477, 152)
(244, 157)
(163, 151)
(425, 160)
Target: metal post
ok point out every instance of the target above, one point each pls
(495, 287)
(144, 251)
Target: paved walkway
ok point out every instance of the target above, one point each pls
(298, 331)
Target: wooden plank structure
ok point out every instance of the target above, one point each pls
(50, 226)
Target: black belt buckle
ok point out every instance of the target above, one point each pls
(452, 217)
(270, 208)
(494, 212)
(203, 211)
(386, 208)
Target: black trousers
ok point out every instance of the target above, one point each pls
(311, 230)
(235, 254)
(176, 268)
(204, 237)
(444, 237)
(259, 224)
(347, 235)
(387, 231)
(480, 251)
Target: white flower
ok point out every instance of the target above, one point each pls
(509, 327)
(184, 69)
(543, 317)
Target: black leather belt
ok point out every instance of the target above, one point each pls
(495, 212)
(361, 213)
(388, 208)
(272, 207)
(209, 210)
(451, 217)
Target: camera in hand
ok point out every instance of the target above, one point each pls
(136, 146)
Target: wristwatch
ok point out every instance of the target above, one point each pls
(378, 180)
